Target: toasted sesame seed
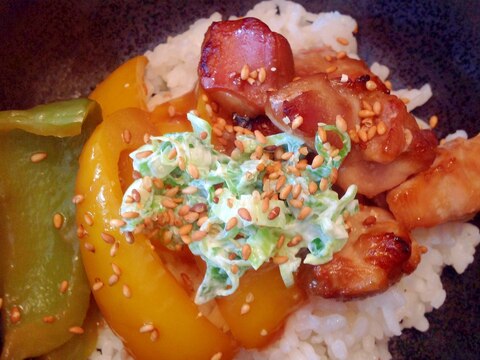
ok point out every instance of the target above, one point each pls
(280, 259)
(340, 123)
(244, 72)
(169, 203)
(202, 220)
(408, 136)
(126, 291)
(371, 85)
(116, 269)
(88, 219)
(265, 204)
(280, 241)
(342, 41)
(297, 189)
(89, 246)
(63, 286)
(113, 279)
(433, 121)
(117, 223)
(365, 113)
(246, 251)
(280, 182)
(274, 213)
(262, 75)
(97, 285)
(333, 175)
(322, 134)
(172, 154)
(154, 335)
(371, 132)
(49, 319)
(15, 315)
(295, 240)
(130, 215)
(146, 328)
(317, 161)
(37, 157)
(296, 203)
(171, 110)
(244, 214)
(185, 229)
(331, 69)
(143, 154)
(189, 190)
(217, 356)
(78, 198)
(312, 187)
(362, 134)
(341, 55)
(323, 184)
(303, 150)
(263, 332)
(304, 213)
(231, 223)
(244, 309)
(285, 191)
(297, 122)
(251, 81)
(405, 100)
(77, 330)
(193, 171)
(109, 239)
(388, 84)
(260, 137)
(377, 107)
(198, 235)
(199, 208)
(129, 237)
(126, 136)
(57, 220)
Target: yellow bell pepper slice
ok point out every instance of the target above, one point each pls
(136, 294)
(258, 309)
(123, 88)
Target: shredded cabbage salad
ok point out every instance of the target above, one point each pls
(223, 186)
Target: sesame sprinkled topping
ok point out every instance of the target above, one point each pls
(154, 335)
(216, 356)
(249, 298)
(263, 332)
(297, 122)
(231, 223)
(143, 154)
(244, 214)
(274, 213)
(280, 259)
(244, 309)
(109, 239)
(117, 223)
(15, 315)
(146, 328)
(126, 291)
(317, 161)
(322, 134)
(49, 319)
(260, 137)
(244, 72)
(126, 136)
(342, 41)
(77, 199)
(89, 246)
(193, 171)
(340, 123)
(97, 285)
(433, 121)
(371, 85)
(130, 215)
(304, 213)
(57, 220)
(113, 279)
(37, 157)
(64, 286)
(77, 330)
(88, 219)
(189, 190)
(246, 251)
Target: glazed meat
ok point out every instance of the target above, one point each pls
(388, 145)
(378, 252)
(448, 190)
(241, 60)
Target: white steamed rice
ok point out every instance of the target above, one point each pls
(322, 329)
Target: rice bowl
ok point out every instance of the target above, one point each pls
(354, 327)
